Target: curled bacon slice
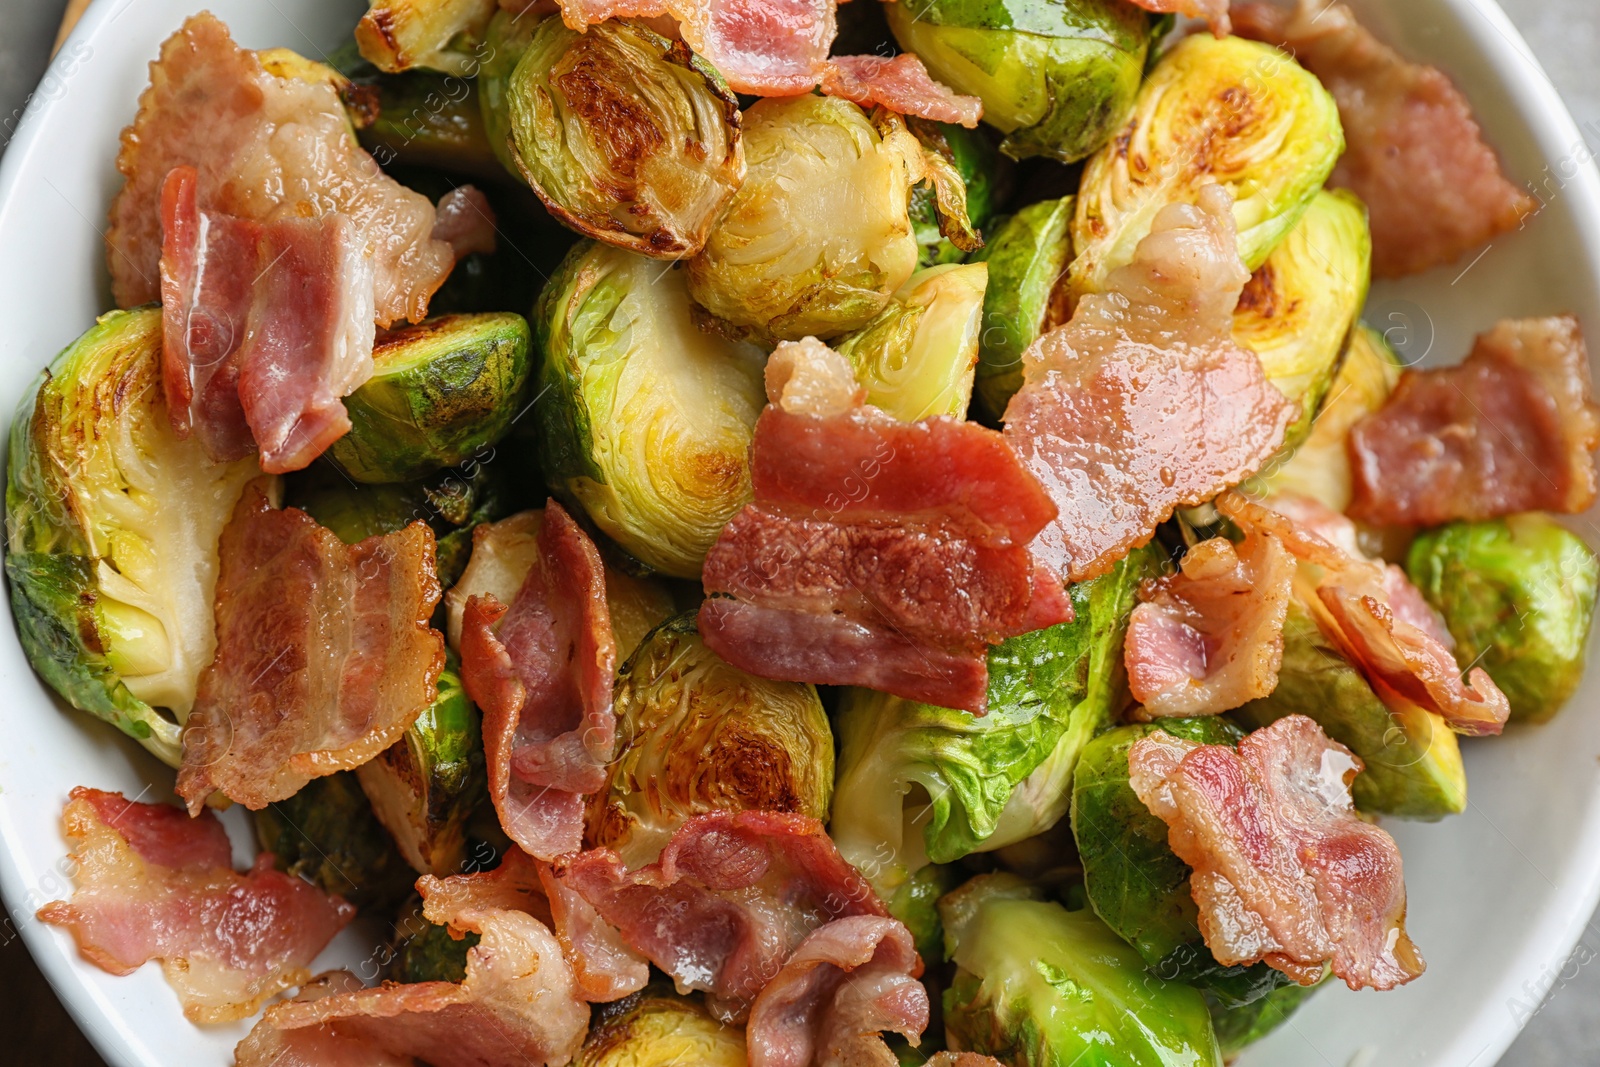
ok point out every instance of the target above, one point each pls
(265, 149)
(877, 552)
(541, 671)
(324, 654)
(265, 327)
(153, 883)
(1413, 152)
(516, 1005)
(733, 894)
(1284, 870)
(605, 968)
(1210, 638)
(1213, 11)
(847, 983)
(1376, 616)
(1510, 429)
(1143, 403)
(900, 84)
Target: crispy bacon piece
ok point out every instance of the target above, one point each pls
(265, 149)
(900, 84)
(153, 883)
(1375, 615)
(324, 654)
(1213, 11)
(265, 327)
(541, 671)
(605, 968)
(846, 984)
(1414, 153)
(516, 1005)
(733, 894)
(877, 552)
(1284, 870)
(1510, 429)
(1143, 403)
(1210, 638)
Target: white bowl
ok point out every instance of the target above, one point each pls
(1498, 896)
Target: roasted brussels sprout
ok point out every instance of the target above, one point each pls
(916, 903)
(1518, 595)
(656, 1027)
(504, 42)
(442, 392)
(919, 783)
(1298, 309)
(1058, 77)
(695, 735)
(819, 235)
(111, 531)
(646, 420)
(627, 136)
(421, 951)
(328, 835)
(1026, 254)
(1320, 467)
(1412, 761)
(916, 359)
(981, 179)
(1213, 110)
(1244, 1025)
(1037, 985)
(424, 119)
(397, 35)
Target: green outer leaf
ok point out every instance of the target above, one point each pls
(1238, 1027)
(916, 903)
(504, 42)
(1112, 22)
(1026, 255)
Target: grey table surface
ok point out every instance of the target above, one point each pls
(1564, 35)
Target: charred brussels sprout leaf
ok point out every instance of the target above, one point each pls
(1026, 254)
(112, 525)
(442, 392)
(656, 1027)
(442, 35)
(627, 136)
(1412, 761)
(819, 235)
(1298, 309)
(328, 835)
(1230, 111)
(919, 783)
(916, 359)
(646, 420)
(695, 734)
(1056, 76)
(1239, 1027)
(975, 175)
(1518, 595)
(1037, 985)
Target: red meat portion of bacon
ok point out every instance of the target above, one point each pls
(901, 84)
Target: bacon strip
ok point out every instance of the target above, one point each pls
(1210, 639)
(733, 894)
(1510, 429)
(1413, 152)
(901, 84)
(1143, 403)
(877, 552)
(466, 222)
(324, 654)
(516, 1005)
(1284, 870)
(265, 149)
(154, 884)
(1213, 11)
(605, 968)
(541, 671)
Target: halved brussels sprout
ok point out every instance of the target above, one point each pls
(919, 783)
(424, 119)
(1037, 985)
(627, 136)
(328, 835)
(1027, 254)
(1412, 761)
(1518, 595)
(1226, 110)
(646, 420)
(695, 734)
(974, 171)
(1298, 309)
(916, 359)
(1241, 1026)
(504, 42)
(657, 1027)
(1320, 467)
(442, 392)
(819, 235)
(1058, 77)
(112, 525)
(397, 35)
